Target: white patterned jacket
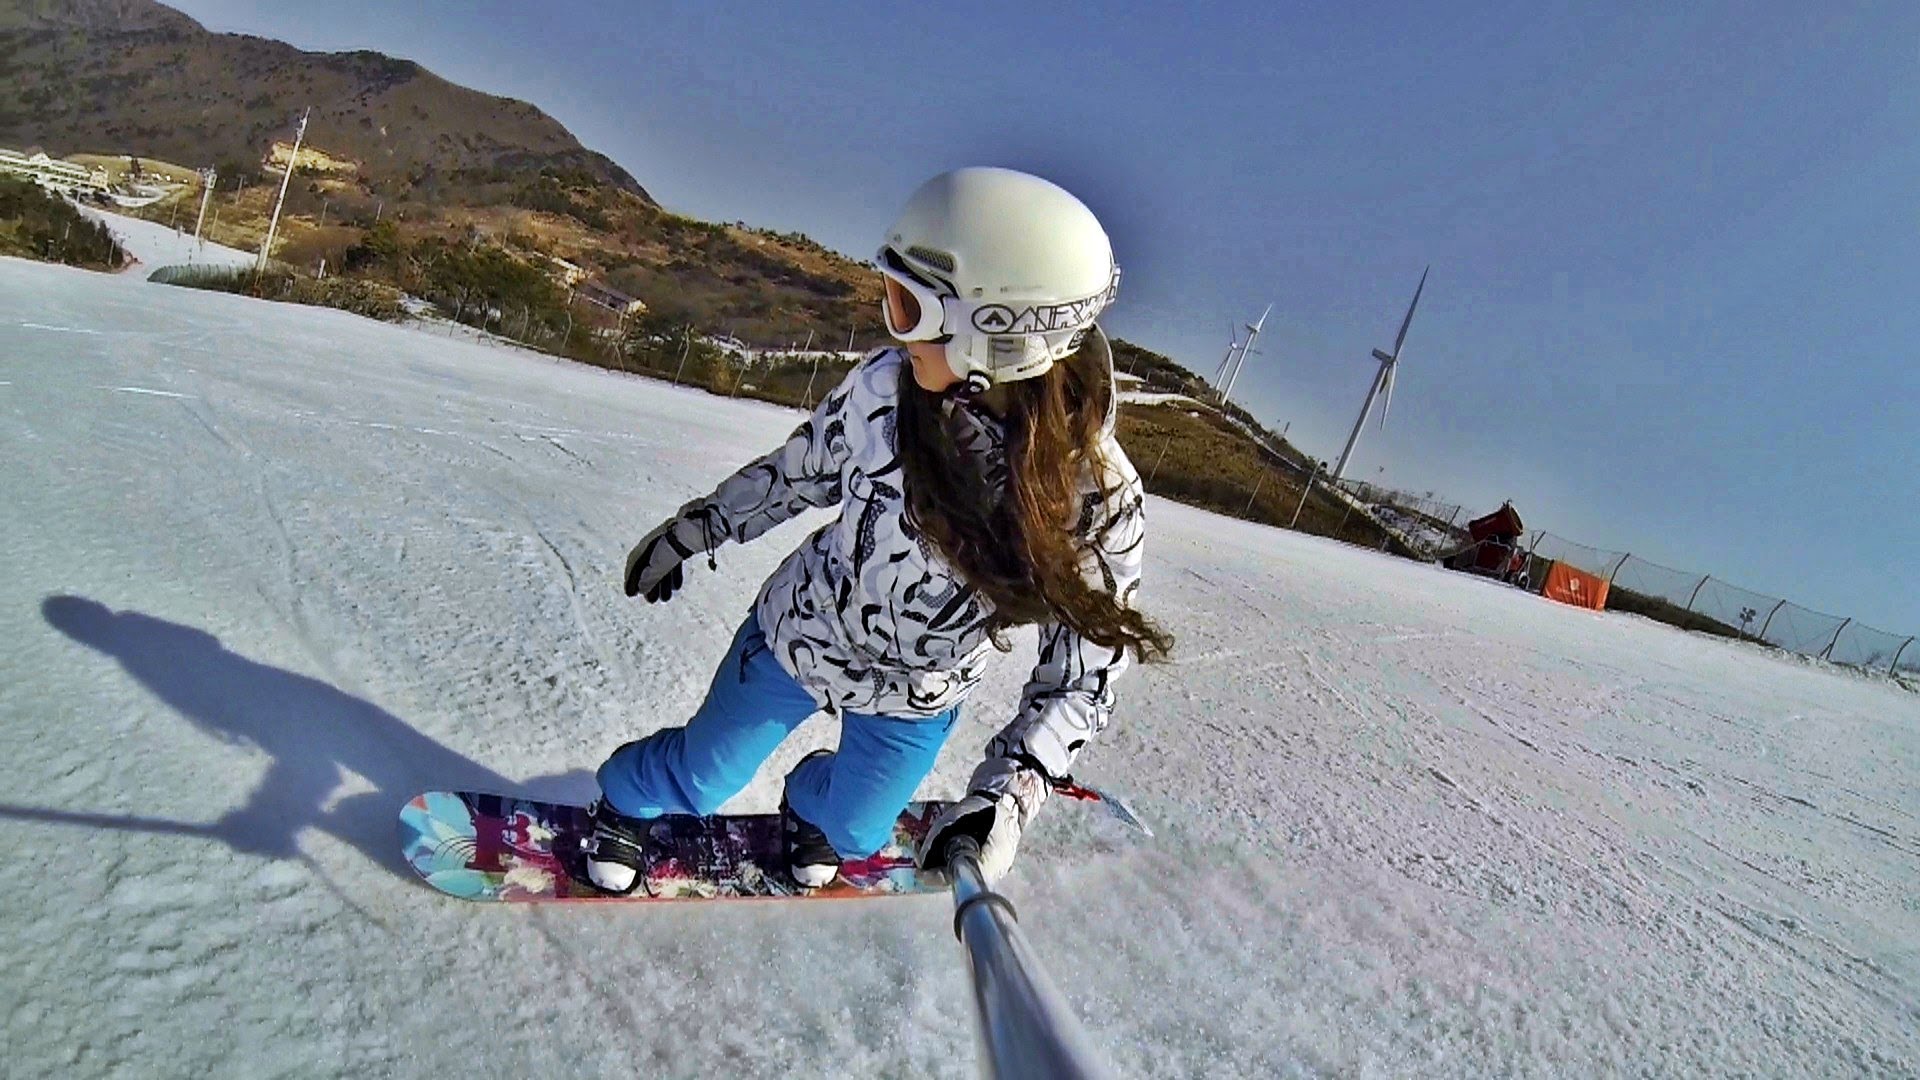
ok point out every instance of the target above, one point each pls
(868, 617)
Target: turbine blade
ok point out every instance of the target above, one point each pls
(1219, 377)
(1408, 321)
(1387, 406)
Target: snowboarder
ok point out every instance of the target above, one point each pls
(980, 488)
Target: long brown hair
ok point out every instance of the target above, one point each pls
(1021, 546)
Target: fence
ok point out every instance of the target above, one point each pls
(1195, 456)
(1430, 526)
(1446, 515)
(1702, 602)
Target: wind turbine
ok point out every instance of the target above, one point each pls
(1229, 372)
(1381, 379)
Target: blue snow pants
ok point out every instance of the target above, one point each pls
(853, 795)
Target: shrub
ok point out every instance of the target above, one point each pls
(38, 224)
(367, 298)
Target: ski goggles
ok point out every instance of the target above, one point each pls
(915, 307)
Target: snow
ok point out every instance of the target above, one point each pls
(155, 245)
(1154, 397)
(269, 570)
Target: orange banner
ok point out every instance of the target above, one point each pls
(1576, 587)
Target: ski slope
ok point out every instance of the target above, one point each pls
(154, 245)
(269, 570)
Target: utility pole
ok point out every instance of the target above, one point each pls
(293, 159)
(207, 180)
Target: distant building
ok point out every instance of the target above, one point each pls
(569, 274)
(610, 298)
(53, 173)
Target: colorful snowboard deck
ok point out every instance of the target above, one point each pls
(485, 847)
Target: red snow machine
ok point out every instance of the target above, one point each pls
(1495, 550)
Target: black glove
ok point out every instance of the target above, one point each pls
(653, 566)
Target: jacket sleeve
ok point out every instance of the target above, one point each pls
(1069, 698)
(802, 473)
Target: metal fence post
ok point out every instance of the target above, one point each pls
(1895, 665)
(1305, 490)
(1256, 494)
(683, 357)
(1769, 622)
(1163, 456)
(1532, 582)
(1825, 653)
(1696, 590)
(1615, 572)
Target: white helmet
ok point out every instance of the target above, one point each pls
(1007, 269)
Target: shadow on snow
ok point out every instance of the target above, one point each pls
(315, 733)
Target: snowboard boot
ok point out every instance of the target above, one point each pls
(615, 854)
(811, 860)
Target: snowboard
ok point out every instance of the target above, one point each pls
(501, 848)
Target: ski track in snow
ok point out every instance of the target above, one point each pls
(1409, 821)
(144, 390)
(55, 329)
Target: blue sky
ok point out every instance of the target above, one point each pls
(1675, 303)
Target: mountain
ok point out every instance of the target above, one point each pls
(137, 77)
(390, 141)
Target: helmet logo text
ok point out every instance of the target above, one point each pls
(1047, 318)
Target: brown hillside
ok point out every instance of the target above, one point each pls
(134, 76)
(400, 145)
